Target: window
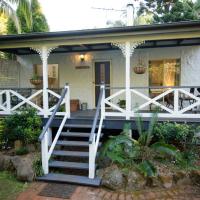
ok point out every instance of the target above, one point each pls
(164, 73)
(52, 74)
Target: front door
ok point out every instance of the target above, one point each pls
(102, 75)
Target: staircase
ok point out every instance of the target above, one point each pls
(71, 157)
(69, 160)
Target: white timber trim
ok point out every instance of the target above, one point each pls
(44, 53)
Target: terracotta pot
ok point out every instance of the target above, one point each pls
(36, 81)
(18, 144)
(139, 70)
(74, 105)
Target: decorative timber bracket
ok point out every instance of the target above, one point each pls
(43, 51)
(128, 47)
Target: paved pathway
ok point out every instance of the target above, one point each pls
(88, 193)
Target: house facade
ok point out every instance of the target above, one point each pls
(116, 72)
(81, 74)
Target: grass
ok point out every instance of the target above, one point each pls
(10, 187)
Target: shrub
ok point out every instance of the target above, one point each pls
(181, 135)
(21, 151)
(24, 125)
(37, 166)
(1, 133)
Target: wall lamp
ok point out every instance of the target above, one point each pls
(82, 57)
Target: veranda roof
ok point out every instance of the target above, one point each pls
(156, 35)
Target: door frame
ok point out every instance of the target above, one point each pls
(93, 77)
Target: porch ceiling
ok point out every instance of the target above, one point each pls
(157, 35)
(107, 46)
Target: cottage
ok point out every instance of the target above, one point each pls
(111, 74)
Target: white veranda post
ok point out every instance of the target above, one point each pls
(44, 53)
(128, 48)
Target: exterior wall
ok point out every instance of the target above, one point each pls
(82, 80)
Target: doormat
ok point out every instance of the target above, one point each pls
(57, 190)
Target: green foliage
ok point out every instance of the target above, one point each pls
(37, 166)
(22, 151)
(2, 127)
(147, 169)
(170, 11)
(153, 145)
(39, 23)
(36, 77)
(117, 147)
(7, 8)
(24, 126)
(163, 148)
(122, 103)
(181, 135)
(187, 160)
(128, 152)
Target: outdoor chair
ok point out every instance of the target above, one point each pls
(185, 98)
(169, 100)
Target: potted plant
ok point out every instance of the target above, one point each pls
(36, 80)
(140, 68)
(122, 103)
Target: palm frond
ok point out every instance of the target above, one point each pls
(25, 7)
(139, 124)
(7, 9)
(164, 148)
(151, 127)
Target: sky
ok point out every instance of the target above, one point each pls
(63, 15)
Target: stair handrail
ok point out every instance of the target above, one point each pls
(95, 137)
(97, 113)
(48, 124)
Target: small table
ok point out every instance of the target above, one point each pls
(186, 98)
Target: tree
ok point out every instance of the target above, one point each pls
(3, 24)
(7, 8)
(170, 10)
(39, 23)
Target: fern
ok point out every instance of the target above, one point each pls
(151, 128)
(147, 169)
(139, 124)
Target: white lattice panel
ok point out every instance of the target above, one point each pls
(9, 74)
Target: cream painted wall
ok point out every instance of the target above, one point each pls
(82, 80)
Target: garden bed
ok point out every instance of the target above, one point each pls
(165, 155)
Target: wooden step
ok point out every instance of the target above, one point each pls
(74, 134)
(70, 153)
(69, 165)
(73, 143)
(80, 126)
(64, 178)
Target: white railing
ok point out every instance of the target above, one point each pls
(95, 137)
(12, 100)
(47, 145)
(170, 102)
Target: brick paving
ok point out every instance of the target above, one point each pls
(88, 193)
